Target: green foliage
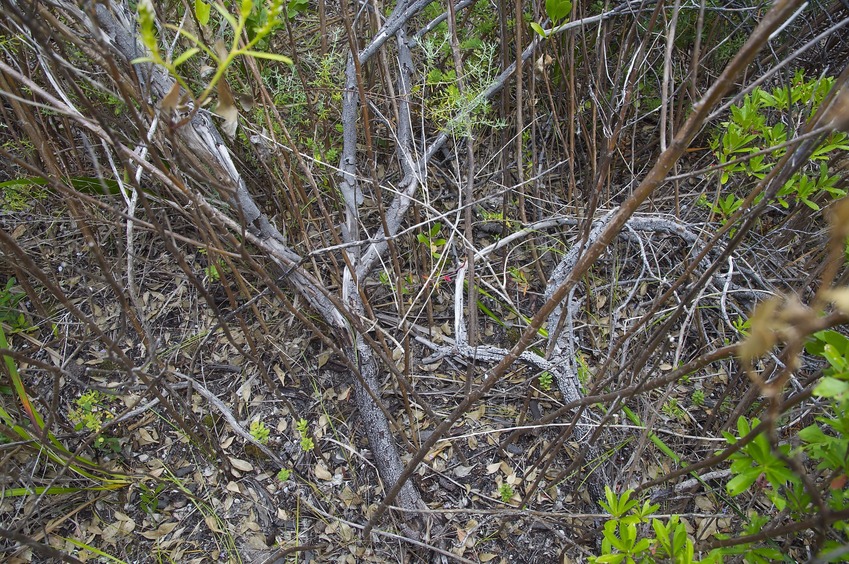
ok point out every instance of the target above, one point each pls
(284, 474)
(90, 412)
(626, 537)
(752, 134)
(545, 380)
(296, 7)
(13, 318)
(259, 431)
(307, 443)
(762, 467)
(742, 326)
(672, 408)
(556, 10)
(584, 372)
(21, 194)
(432, 241)
(149, 497)
(506, 492)
(698, 397)
(451, 110)
(756, 459)
(258, 20)
(214, 270)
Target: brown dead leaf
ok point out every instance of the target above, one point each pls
(463, 471)
(212, 523)
(163, 530)
(171, 100)
(227, 109)
(241, 465)
(322, 473)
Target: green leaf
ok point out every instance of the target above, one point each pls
(557, 9)
(831, 388)
(741, 482)
(185, 56)
(269, 56)
(202, 10)
(295, 7)
(538, 28)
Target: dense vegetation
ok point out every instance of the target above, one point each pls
(531, 282)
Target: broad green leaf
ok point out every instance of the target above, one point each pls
(557, 9)
(741, 482)
(202, 10)
(831, 387)
(538, 28)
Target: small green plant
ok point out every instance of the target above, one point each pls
(21, 193)
(762, 467)
(432, 241)
(307, 443)
(698, 397)
(452, 110)
(556, 10)
(258, 23)
(725, 207)
(149, 497)
(214, 269)
(506, 492)
(673, 409)
(584, 372)
(89, 413)
(520, 278)
(259, 431)
(284, 474)
(14, 319)
(625, 536)
(742, 326)
(545, 380)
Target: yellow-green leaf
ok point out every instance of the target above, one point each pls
(270, 56)
(185, 56)
(202, 10)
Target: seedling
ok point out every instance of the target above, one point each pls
(698, 397)
(307, 443)
(545, 380)
(9, 314)
(506, 492)
(431, 240)
(259, 431)
(89, 413)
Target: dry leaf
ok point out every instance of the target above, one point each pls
(463, 471)
(161, 531)
(242, 465)
(227, 109)
(171, 100)
(322, 473)
(212, 523)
